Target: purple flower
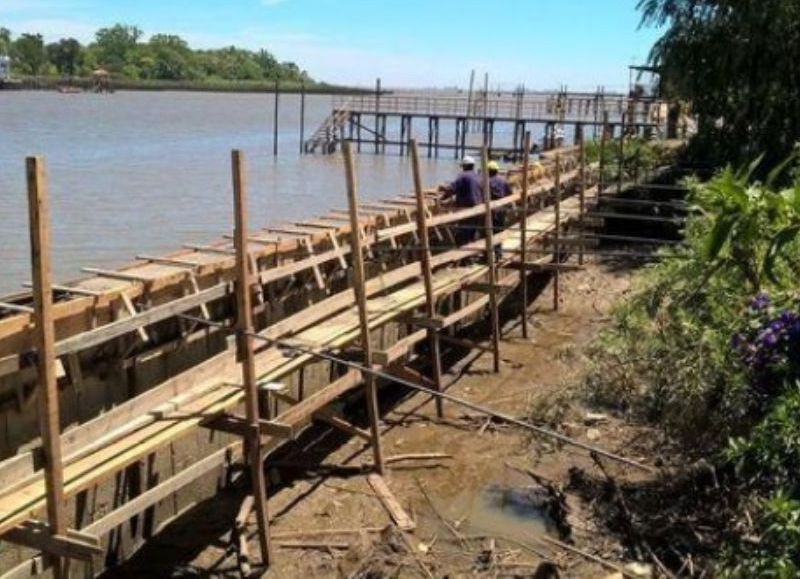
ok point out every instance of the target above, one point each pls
(759, 302)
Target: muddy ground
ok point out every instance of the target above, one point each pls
(500, 503)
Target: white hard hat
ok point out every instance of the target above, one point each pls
(468, 160)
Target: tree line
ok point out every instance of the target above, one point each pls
(122, 51)
(735, 63)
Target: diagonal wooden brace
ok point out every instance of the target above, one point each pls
(73, 545)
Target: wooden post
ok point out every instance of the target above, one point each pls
(621, 160)
(44, 335)
(489, 232)
(377, 114)
(302, 116)
(601, 182)
(581, 200)
(427, 272)
(471, 92)
(275, 122)
(359, 288)
(244, 324)
(523, 234)
(557, 233)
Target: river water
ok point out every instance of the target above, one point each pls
(137, 172)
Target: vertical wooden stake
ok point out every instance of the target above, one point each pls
(302, 117)
(275, 121)
(49, 416)
(601, 181)
(523, 234)
(489, 232)
(581, 200)
(427, 271)
(557, 233)
(359, 288)
(621, 177)
(244, 324)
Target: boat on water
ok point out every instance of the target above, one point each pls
(69, 89)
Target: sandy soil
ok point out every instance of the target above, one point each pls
(478, 512)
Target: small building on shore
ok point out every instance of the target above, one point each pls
(5, 68)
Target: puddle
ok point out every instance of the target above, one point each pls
(514, 512)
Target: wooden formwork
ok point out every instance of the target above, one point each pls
(141, 374)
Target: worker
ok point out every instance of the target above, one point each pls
(498, 189)
(468, 193)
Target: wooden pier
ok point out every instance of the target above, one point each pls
(461, 123)
(142, 393)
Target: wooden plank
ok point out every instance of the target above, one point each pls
(140, 320)
(321, 398)
(359, 287)
(210, 249)
(169, 261)
(340, 424)
(233, 424)
(306, 242)
(399, 349)
(390, 503)
(16, 308)
(317, 224)
(119, 275)
(72, 545)
(244, 325)
(337, 248)
(49, 414)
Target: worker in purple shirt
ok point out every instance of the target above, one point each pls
(468, 193)
(498, 188)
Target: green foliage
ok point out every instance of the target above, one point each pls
(735, 63)
(752, 226)
(5, 41)
(668, 355)
(120, 49)
(65, 55)
(769, 459)
(29, 53)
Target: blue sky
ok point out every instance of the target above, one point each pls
(542, 43)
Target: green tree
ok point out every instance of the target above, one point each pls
(736, 63)
(65, 55)
(29, 53)
(114, 45)
(170, 58)
(5, 41)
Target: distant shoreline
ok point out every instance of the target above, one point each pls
(231, 86)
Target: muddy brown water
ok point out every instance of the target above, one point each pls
(138, 172)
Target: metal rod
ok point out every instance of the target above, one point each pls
(377, 373)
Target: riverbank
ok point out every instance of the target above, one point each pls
(220, 86)
(475, 500)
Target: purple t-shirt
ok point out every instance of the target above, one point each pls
(499, 187)
(467, 189)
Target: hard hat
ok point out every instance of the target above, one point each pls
(468, 160)
(493, 166)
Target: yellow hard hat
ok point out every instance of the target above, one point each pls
(493, 166)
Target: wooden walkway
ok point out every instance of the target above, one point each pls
(102, 309)
(382, 122)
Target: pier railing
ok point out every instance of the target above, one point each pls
(569, 108)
